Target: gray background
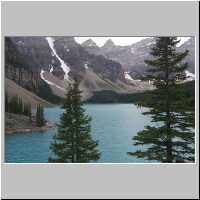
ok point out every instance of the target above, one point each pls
(100, 180)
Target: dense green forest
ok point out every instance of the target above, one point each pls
(17, 106)
(40, 116)
(108, 96)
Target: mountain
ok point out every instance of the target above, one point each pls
(190, 59)
(108, 46)
(89, 43)
(24, 71)
(36, 50)
(47, 65)
(91, 47)
(59, 53)
(131, 57)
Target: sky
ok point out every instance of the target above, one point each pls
(122, 41)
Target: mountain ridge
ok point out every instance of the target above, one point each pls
(131, 57)
(52, 59)
(47, 65)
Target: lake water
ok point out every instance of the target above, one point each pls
(113, 125)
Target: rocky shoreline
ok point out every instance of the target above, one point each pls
(15, 123)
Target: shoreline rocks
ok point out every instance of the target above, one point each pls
(15, 123)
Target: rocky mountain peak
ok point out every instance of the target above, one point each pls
(89, 43)
(68, 41)
(109, 45)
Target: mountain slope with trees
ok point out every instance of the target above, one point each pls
(42, 69)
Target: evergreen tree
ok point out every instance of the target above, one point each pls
(42, 115)
(13, 105)
(29, 112)
(39, 116)
(19, 106)
(172, 138)
(24, 109)
(73, 142)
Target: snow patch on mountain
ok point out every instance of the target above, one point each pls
(189, 75)
(127, 76)
(182, 40)
(63, 65)
(51, 69)
(86, 66)
(133, 50)
(150, 43)
(49, 82)
(20, 43)
(91, 45)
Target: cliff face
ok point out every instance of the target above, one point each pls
(36, 51)
(78, 60)
(18, 69)
(40, 55)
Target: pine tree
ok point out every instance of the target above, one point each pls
(29, 112)
(13, 105)
(172, 138)
(17, 106)
(39, 116)
(73, 142)
(24, 109)
(20, 106)
(42, 115)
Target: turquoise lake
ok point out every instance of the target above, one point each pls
(113, 125)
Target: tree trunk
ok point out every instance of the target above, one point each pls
(168, 119)
(169, 152)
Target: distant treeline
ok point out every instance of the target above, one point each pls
(40, 121)
(108, 96)
(17, 106)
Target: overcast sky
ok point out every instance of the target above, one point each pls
(123, 41)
